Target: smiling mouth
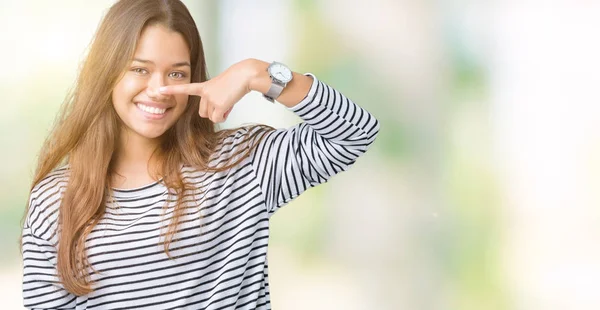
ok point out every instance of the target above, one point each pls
(151, 110)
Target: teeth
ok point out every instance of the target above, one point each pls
(151, 109)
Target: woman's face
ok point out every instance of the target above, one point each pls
(161, 58)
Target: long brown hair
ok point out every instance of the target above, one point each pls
(86, 133)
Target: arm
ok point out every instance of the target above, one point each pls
(334, 133)
(41, 286)
(219, 94)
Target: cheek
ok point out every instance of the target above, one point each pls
(126, 89)
(182, 100)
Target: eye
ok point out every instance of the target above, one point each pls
(177, 75)
(139, 70)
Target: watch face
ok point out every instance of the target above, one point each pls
(280, 72)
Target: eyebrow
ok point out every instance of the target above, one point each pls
(179, 64)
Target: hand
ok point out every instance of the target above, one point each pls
(219, 94)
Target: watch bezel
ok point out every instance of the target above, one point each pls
(273, 64)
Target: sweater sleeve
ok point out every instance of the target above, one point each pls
(334, 133)
(41, 286)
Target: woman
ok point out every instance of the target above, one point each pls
(138, 202)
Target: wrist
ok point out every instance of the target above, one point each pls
(258, 77)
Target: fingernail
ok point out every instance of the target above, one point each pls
(162, 89)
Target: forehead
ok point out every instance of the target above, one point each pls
(162, 45)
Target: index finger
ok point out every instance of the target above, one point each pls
(194, 89)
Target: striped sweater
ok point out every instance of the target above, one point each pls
(219, 253)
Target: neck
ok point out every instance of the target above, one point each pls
(133, 162)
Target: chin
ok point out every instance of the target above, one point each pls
(154, 135)
(150, 133)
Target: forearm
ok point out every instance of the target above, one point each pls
(346, 123)
(260, 81)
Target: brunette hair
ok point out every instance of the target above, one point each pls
(86, 133)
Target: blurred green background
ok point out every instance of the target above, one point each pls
(481, 191)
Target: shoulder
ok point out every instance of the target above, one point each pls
(51, 180)
(236, 143)
(44, 201)
(244, 134)
(241, 138)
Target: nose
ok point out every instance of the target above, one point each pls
(155, 82)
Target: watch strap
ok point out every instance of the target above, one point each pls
(274, 91)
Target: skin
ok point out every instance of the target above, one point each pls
(156, 80)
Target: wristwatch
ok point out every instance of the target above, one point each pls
(280, 75)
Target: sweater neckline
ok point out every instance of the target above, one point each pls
(147, 189)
